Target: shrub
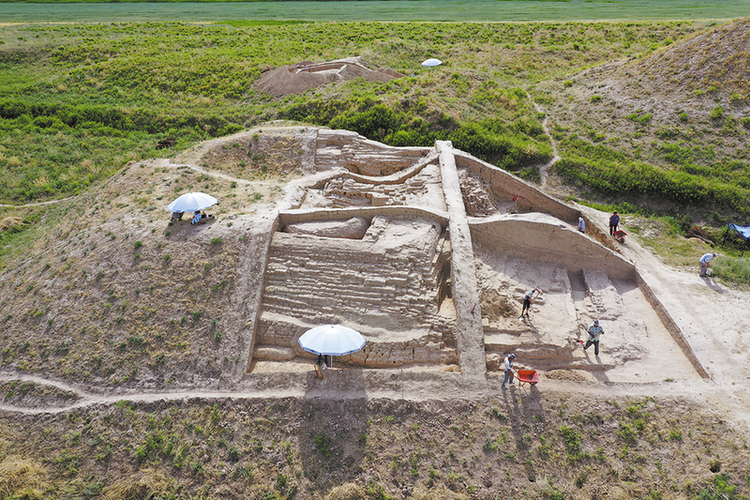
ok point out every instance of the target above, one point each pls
(323, 445)
(719, 490)
(717, 113)
(572, 440)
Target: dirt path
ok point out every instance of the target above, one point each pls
(38, 204)
(544, 169)
(374, 384)
(258, 184)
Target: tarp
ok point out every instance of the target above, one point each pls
(743, 231)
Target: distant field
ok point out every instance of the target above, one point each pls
(376, 10)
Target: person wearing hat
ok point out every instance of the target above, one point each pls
(581, 225)
(614, 223)
(705, 263)
(527, 301)
(508, 368)
(594, 332)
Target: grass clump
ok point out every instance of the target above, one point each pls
(147, 483)
(22, 478)
(323, 445)
(736, 270)
(572, 439)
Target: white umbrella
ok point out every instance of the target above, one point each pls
(190, 202)
(432, 62)
(331, 340)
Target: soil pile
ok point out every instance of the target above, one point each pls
(716, 59)
(297, 78)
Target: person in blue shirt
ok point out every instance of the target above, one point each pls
(614, 223)
(595, 331)
(705, 263)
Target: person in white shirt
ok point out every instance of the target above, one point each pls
(581, 225)
(527, 297)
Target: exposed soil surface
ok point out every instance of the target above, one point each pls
(296, 78)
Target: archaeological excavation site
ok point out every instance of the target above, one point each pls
(427, 252)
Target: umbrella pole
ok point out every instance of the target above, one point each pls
(331, 365)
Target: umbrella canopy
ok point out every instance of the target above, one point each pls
(331, 340)
(432, 62)
(190, 202)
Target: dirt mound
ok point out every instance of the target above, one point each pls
(296, 78)
(718, 58)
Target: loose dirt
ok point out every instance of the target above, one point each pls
(297, 78)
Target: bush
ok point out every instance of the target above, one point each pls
(323, 445)
(572, 440)
(736, 270)
(611, 173)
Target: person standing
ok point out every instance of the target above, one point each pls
(581, 225)
(705, 263)
(508, 368)
(614, 223)
(527, 297)
(595, 331)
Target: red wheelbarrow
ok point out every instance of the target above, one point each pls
(620, 236)
(527, 377)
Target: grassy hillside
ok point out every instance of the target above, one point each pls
(79, 101)
(666, 130)
(71, 87)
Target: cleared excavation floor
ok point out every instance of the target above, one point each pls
(635, 347)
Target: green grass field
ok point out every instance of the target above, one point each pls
(374, 10)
